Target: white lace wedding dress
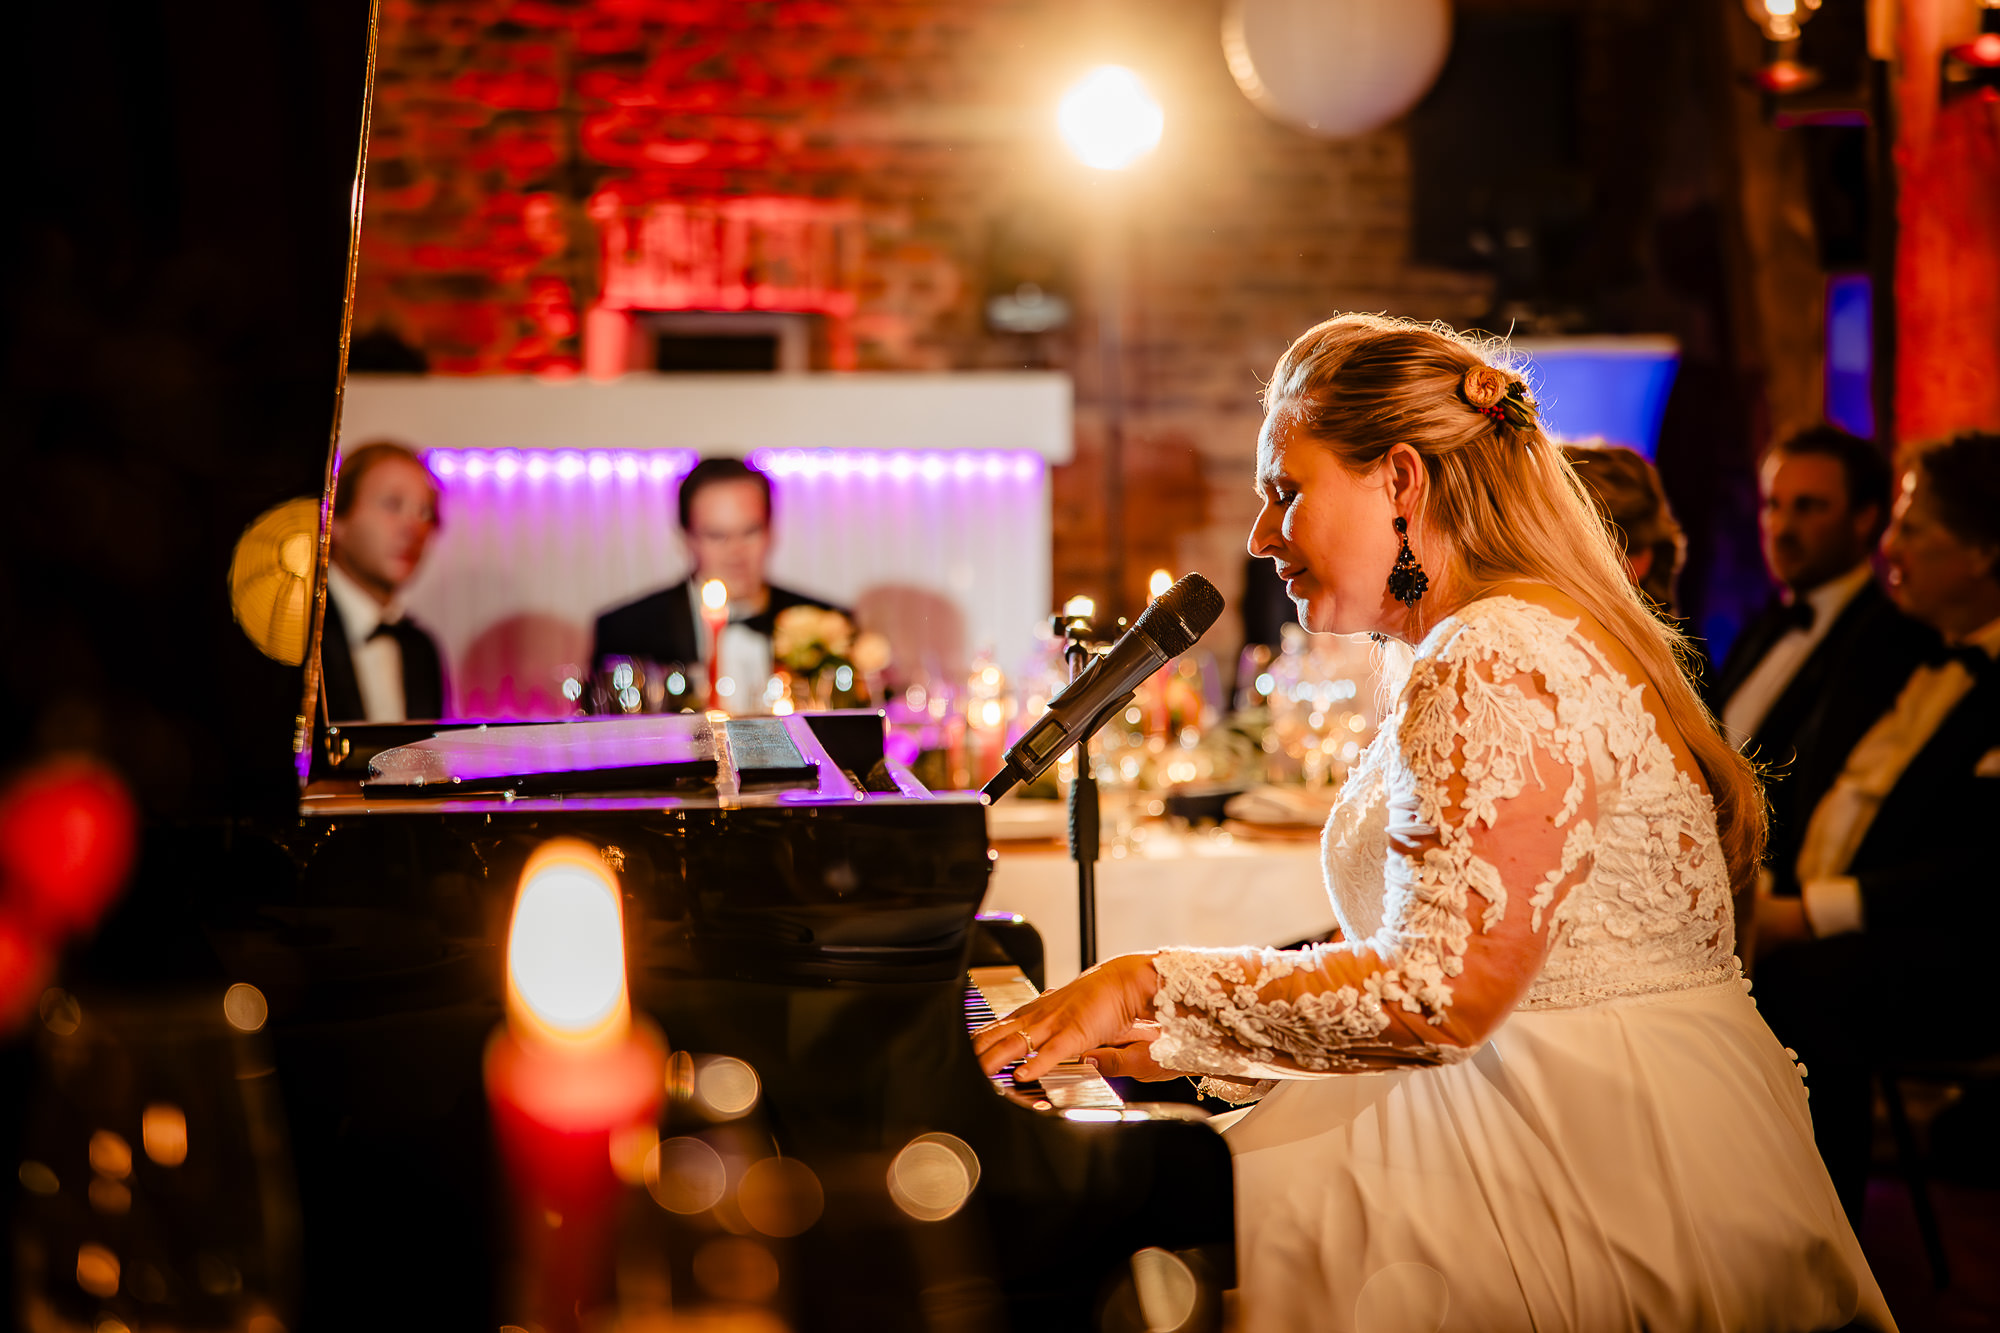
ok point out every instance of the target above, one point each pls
(1528, 1089)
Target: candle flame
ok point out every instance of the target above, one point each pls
(566, 950)
(1161, 581)
(714, 595)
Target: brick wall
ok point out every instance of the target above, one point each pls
(511, 139)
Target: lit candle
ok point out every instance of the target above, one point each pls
(714, 614)
(569, 1078)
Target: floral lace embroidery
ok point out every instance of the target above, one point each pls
(1649, 912)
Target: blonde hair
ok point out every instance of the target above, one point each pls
(1628, 493)
(1508, 505)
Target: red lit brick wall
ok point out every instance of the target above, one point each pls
(912, 144)
(1948, 247)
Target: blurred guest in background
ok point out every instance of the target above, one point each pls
(725, 521)
(377, 664)
(1826, 657)
(1896, 862)
(1628, 493)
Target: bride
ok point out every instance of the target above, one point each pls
(1525, 1087)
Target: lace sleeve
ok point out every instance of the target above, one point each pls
(1491, 813)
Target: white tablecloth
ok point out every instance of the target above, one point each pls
(1192, 889)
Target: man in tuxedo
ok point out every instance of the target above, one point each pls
(1828, 654)
(724, 509)
(376, 664)
(1889, 944)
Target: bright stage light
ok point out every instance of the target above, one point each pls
(1109, 120)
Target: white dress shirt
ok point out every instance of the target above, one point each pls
(1841, 821)
(378, 662)
(1746, 709)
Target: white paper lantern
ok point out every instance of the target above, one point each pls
(1335, 68)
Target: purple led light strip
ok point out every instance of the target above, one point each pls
(567, 465)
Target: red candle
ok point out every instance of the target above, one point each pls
(715, 615)
(568, 1076)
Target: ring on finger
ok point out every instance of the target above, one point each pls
(1031, 1052)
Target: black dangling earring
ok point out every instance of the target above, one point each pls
(1407, 581)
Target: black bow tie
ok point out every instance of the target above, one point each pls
(1796, 614)
(399, 630)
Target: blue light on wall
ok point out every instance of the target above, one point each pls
(1611, 388)
(1850, 353)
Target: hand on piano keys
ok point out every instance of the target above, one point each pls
(1105, 1014)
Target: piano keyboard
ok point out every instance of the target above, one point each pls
(995, 992)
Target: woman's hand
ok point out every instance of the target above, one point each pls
(1131, 1056)
(1098, 1009)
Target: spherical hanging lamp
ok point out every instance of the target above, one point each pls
(1335, 68)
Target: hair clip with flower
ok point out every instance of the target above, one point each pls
(1493, 392)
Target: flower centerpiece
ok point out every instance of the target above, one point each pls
(828, 662)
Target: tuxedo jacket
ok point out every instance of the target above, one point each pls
(423, 672)
(660, 627)
(1928, 864)
(1851, 677)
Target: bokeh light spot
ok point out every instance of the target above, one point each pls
(97, 1271)
(36, 1178)
(245, 1007)
(110, 1155)
(110, 1197)
(933, 1176)
(726, 1086)
(780, 1196)
(164, 1132)
(1166, 1287)
(685, 1176)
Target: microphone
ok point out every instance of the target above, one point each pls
(1165, 630)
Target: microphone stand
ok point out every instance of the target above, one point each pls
(1084, 812)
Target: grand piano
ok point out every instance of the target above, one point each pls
(794, 899)
(811, 914)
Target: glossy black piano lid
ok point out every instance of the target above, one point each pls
(178, 237)
(174, 253)
(816, 877)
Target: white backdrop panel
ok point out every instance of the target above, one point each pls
(948, 561)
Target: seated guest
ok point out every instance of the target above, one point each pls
(376, 664)
(725, 521)
(1896, 862)
(1826, 657)
(1628, 493)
